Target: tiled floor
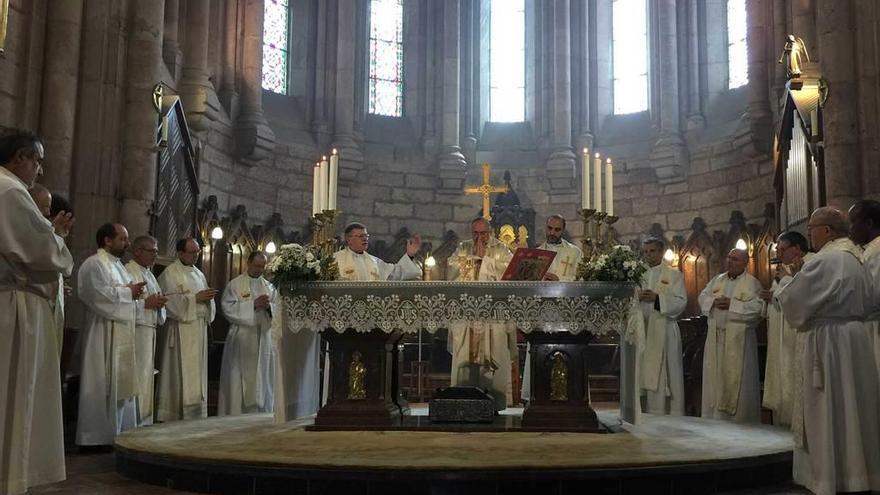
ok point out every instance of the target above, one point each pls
(94, 474)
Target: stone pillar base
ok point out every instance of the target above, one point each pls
(669, 159)
(561, 170)
(254, 140)
(200, 103)
(453, 168)
(351, 159)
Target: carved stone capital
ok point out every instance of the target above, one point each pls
(254, 140)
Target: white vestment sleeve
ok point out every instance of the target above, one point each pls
(673, 301)
(239, 310)
(707, 299)
(96, 289)
(807, 291)
(41, 249)
(404, 269)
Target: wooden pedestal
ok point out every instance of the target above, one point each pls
(543, 411)
(382, 405)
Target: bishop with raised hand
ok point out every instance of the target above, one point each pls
(108, 379)
(183, 356)
(356, 264)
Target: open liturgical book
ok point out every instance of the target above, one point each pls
(529, 264)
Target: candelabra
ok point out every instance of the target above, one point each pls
(596, 239)
(323, 226)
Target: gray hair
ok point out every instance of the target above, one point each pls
(834, 218)
(142, 240)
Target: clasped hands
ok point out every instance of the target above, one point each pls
(261, 302)
(62, 223)
(647, 296)
(721, 303)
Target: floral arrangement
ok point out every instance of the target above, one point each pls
(295, 263)
(618, 264)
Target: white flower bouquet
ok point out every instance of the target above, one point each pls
(295, 263)
(618, 264)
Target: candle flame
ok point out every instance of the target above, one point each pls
(324, 158)
(597, 155)
(608, 161)
(334, 151)
(586, 151)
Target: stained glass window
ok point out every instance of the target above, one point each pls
(507, 59)
(386, 57)
(629, 33)
(737, 46)
(276, 33)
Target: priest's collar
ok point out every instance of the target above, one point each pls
(355, 252)
(109, 254)
(734, 277)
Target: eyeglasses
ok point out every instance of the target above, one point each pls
(361, 236)
(153, 251)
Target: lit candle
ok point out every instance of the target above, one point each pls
(316, 187)
(322, 185)
(585, 180)
(609, 188)
(597, 183)
(334, 174)
(814, 123)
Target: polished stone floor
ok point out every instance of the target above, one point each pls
(94, 474)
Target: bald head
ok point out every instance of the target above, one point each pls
(826, 224)
(737, 260)
(43, 198)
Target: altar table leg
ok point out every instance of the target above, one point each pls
(560, 384)
(364, 389)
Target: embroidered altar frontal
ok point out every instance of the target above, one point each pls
(594, 307)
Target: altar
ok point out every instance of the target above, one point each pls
(364, 321)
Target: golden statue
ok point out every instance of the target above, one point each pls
(559, 378)
(357, 372)
(523, 237)
(794, 53)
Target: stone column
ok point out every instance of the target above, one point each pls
(319, 117)
(254, 141)
(137, 186)
(60, 84)
(228, 90)
(470, 40)
(452, 163)
(755, 135)
(351, 158)
(695, 118)
(196, 90)
(170, 45)
(840, 125)
(669, 155)
(561, 165)
(582, 68)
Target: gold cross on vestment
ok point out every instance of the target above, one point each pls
(565, 264)
(486, 189)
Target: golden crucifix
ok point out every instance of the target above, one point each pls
(486, 189)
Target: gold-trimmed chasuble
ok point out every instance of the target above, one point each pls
(486, 188)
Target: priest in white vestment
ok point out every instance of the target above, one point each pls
(248, 367)
(662, 297)
(837, 447)
(783, 344)
(562, 269)
(108, 377)
(183, 354)
(731, 387)
(355, 263)
(32, 255)
(865, 230)
(150, 315)
(481, 351)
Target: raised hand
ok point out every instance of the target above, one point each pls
(647, 296)
(62, 223)
(413, 245)
(136, 289)
(262, 301)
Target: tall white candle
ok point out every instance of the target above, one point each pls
(597, 183)
(609, 188)
(334, 174)
(323, 186)
(585, 180)
(316, 187)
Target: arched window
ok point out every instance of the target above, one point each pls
(507, 45)
(386, 57)
(629, 33)
(737, 46)
(276, 39)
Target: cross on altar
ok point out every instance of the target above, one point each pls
(486, 189)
